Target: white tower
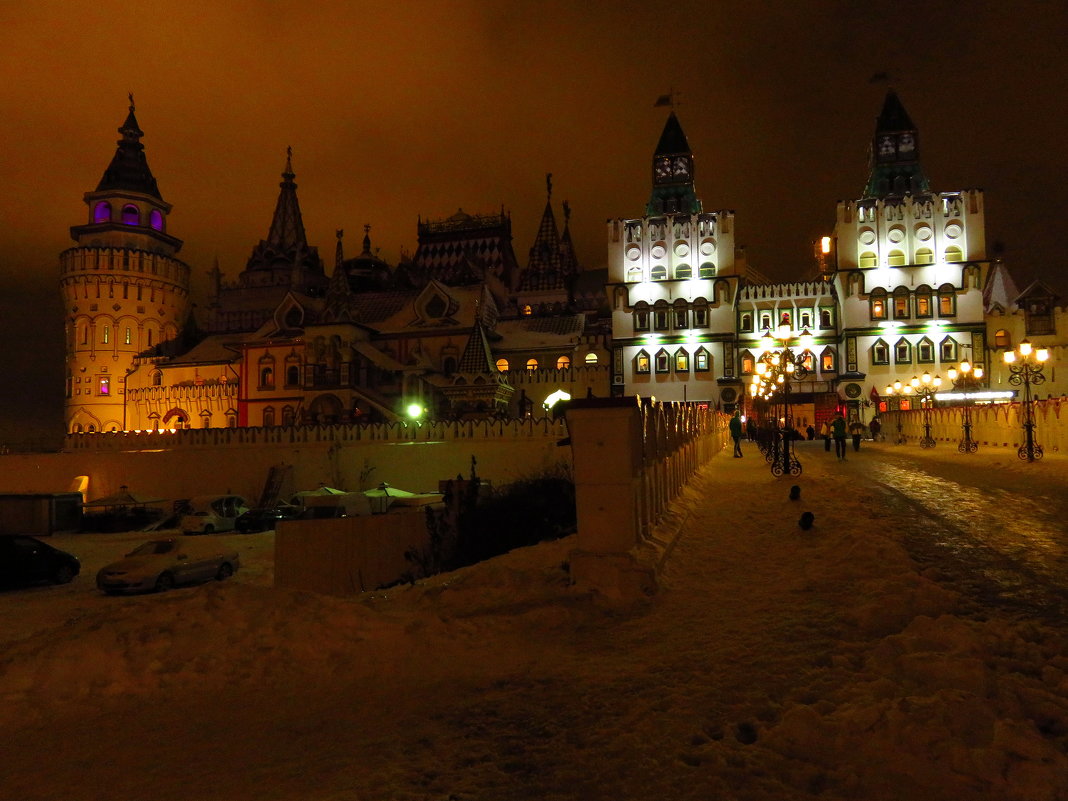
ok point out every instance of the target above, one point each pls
(124, 292)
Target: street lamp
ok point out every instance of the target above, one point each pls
(924, 388)
(775, 371)
(966, 377)
(1027, 371)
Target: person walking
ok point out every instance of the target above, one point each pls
(874, 426)
(838, 430)
(825, 432)
(751, 428)
(735, 426)
(856, 431)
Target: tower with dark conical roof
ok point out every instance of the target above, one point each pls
(551, 265)
(124, 291)
(673, 189)
(894, 165)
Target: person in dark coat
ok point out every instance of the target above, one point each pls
(735, 426)
(838, 431)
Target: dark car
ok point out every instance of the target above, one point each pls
(26, 560)
(265, 518)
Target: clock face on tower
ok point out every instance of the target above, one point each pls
(662, 168)
(886, 147)
(906, 144)
(682, 167)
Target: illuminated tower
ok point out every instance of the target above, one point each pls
(124, 292)
(911, 266)
(673, 279)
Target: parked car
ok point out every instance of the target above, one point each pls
(265, 518)
(162, 564)
(27, 560)
(210, 514)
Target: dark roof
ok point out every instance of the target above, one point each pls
(672, 140)
(893, 117)
(129, 169)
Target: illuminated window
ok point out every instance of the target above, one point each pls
(634, 274)
(532, 364)
(107, 334)
(682, 361)
(702, 362)
(746, 323)
(155, 219)
(896, 258)
(924, 256)
(808, 360)
(903, 352)
(954, 254)
(662, 363)
(901, 303)
(826, 318)
(806, 319)
(502, 365)
(563, 363)
(765, 321)
(748, 363)
(1003, 340)
(828, 361)
(683, 271)
(707, 270)
(641, 362)
(591, 358)
(923, 301)
(527, 311)
(925, 351)
(105, 385)
(868, 259)
(267, 378)
(102, 212)
(659, 273)
(877, 304)
(128, 338)
(947, 301)
(880, 353)
(130, 215)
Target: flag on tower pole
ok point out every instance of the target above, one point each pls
(874, 395)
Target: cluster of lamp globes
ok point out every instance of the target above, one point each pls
(927, 383)
(771, 372)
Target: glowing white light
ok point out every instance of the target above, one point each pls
(414, 410)
(556, 397)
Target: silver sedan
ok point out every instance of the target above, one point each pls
(162, 564)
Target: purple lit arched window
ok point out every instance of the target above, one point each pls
(130, 215)
(155, 219)
(102, 212)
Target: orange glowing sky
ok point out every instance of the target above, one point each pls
(400, 110)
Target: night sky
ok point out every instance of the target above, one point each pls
(399, 110)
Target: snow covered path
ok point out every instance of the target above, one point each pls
(774, 664)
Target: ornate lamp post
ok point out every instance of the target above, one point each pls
(924, 388)
(966, 377)
(1025, 367)
(775, 371)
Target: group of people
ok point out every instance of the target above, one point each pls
(834, 429)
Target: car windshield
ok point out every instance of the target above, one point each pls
(154, 547)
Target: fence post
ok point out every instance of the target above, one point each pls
(606, 446)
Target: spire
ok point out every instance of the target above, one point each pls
(568, 260)
(544, 266)
(287, 226)
(477, 357)
(894, 163)
(339, 250)
(129, 169)
(673, 190)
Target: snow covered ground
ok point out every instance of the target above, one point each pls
(773, 664)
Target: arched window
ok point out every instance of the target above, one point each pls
(901, 303)
(130, 215)
(660, 315)
(954, 253)
(706, 270)
(924, 256)
(292, 375)
(700, 313)
(877, 304)
(105, 385)
(157, 378)
(746, 323)
(659, 273)
(102, 212)
(107, 334)
(266, 378)
(287, 415)
(641, 316)
(155, 219)
(868, 259)
(896, 258)
(641, 363)
(1003, 340)
(683, 271)
(205, 419)
(682, 361)
(923, 301)
(563, 363)
(268, 417)
(947, 301)
(448, 365)
(634, 274)
(682, 316)
(502, 365)
(532, 364)
(591, 358)
(826, 318)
